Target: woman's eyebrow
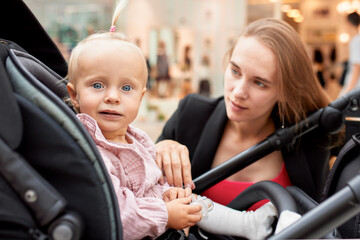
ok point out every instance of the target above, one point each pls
(256, 77)
(263, 79)
(234, 64)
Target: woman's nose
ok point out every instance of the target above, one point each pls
(241, 89)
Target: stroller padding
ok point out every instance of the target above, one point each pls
(48, 202)
(24, 88)
(27, 90)
(11, 125)
(56, 156)
(41, 72)
(56, 145)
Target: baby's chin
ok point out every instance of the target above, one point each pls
(113, 130)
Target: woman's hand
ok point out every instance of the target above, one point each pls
(173, 158)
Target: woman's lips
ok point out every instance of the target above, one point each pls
(237, 107)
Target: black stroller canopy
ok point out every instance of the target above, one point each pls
(18, 24)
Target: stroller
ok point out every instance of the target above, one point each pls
(40, 141)
(53, 184)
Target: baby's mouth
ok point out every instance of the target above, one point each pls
(111, 113)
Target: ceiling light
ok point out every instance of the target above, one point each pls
(299, 18)
(344, 37)
(293, 13)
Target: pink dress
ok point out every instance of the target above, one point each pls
(135, 177)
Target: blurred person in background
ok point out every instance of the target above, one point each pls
(162, 72)
(319, 65)
(352, 78)
(204, 76)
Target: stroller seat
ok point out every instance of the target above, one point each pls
(49, 164)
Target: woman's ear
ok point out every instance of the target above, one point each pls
(73, 95)
(143, 93)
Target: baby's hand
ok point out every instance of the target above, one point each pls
(175, 193)
(182, 214)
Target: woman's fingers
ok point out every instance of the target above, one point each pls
(173, 158)
(159, 164)
(188, 192)
(186, 168)
(176, 166)
(167, 168)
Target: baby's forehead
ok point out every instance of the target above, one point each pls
(115, 46)
(121, 48)
(117, 43)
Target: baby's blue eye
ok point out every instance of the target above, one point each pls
(97, 85)
(126, 88)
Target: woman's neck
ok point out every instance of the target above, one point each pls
(252, 130)
(240, 136)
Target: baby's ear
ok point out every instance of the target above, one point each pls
(73, 95)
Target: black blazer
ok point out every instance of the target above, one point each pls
(199, 123)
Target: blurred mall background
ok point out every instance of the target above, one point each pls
(194, 35)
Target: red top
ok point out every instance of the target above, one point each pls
(225, 191)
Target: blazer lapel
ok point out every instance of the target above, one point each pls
(298, 169)
(209, 141)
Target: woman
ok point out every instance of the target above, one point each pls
(269, 83)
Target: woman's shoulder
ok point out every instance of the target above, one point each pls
(198, 101)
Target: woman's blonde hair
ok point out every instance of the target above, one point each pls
(300, 93)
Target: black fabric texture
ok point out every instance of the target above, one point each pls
(18, 24)
(11, 125)
(55, 155)
(15, 218)
(346, 166)
(41, 73)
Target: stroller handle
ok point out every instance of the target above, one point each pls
(330, 214)
(350, 98)
(277, 194)
(330, 119)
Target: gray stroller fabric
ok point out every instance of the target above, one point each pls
(52, 144)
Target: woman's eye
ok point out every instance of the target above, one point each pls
(260, 84)
(126, 88)
(235, 72)
(97, 85)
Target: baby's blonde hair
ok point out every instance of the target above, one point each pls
(119, 7)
